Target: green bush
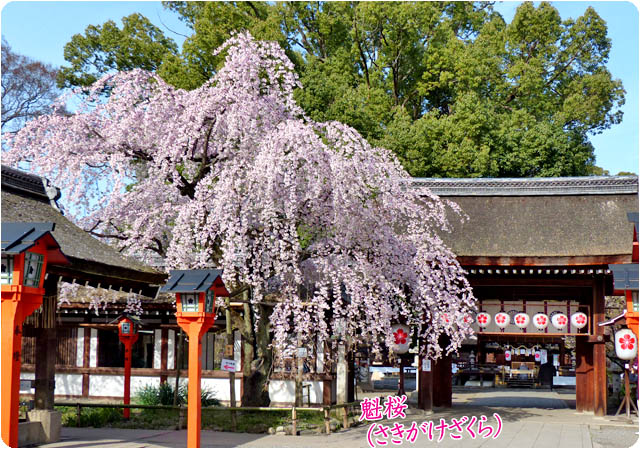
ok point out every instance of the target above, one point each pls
(163, 395)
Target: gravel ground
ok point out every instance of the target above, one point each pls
(613, 436)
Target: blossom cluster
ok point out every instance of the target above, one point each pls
(233, 174)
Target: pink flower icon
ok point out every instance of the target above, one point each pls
(541, 320)
(482, 319)
(562, 320)
(520, 319)
(500, 319)
(400, 337)
(627, 342)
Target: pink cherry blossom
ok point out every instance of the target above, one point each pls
(234, 175)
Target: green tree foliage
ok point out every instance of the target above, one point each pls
(449, 86)
(105, 48)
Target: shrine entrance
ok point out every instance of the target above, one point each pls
(533, 325)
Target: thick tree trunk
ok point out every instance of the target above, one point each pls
(257, 359)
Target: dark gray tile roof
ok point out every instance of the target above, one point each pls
(190, 281)
(625, 276)
(19, 237)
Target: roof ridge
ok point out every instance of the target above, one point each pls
(575, 185)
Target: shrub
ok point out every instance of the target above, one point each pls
(163, 395)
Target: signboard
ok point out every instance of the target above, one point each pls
(228, 365)
(302, 352)
(228, 351)
(426, 364)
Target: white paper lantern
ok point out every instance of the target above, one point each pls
(400, 335)
(537, 356)
(483, 319)
(445, 317)
(521, 319)
(626, 344)
(502, 319)
(579, 320)
(507, 355)
(540, 321)
(559, 321)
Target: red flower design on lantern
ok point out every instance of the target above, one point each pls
(400, 337)
(581, 319)
(562, 320)
(482, 319)
(541, 320)
(627, 342)
(519, 319)
(500, 319)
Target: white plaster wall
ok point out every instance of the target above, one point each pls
(108, 385)
(171, 342)
(219, 387)
(157, 348)
(93, 348)
(68, 384)
(320, 357)
(285, 391)
(80, 347)
(237, 350)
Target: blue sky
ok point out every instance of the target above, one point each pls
(40, 30)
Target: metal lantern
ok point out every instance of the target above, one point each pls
(502, 319)
(540, 321)
(559, 321)
(521, 320)
(483, 319)
(626, 344)
(400, 335)
(579, 320)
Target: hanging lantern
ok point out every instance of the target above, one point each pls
(465, 319)
(507, 355)
(400, 335)
(445, 317)
(483, 319)
(502, 319)
(540, 321)
(521, 320)
(559, 321)
(537, 356)
(579, 320)
(626, 344)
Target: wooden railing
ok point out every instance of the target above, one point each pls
(326, 410)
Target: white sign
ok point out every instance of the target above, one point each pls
(426, 364)
(543, 356)
(302, 352)
(228, 365)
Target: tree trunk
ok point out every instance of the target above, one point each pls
(257, 359)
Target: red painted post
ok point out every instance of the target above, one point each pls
(128, 334)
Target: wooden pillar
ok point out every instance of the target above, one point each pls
(164, 353)
(351, 392)
(425, 389)
(86, 361)
(46, 344)
(599, 353)
(442, 382)
(584, 375)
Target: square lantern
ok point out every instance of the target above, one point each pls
(195, 290)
